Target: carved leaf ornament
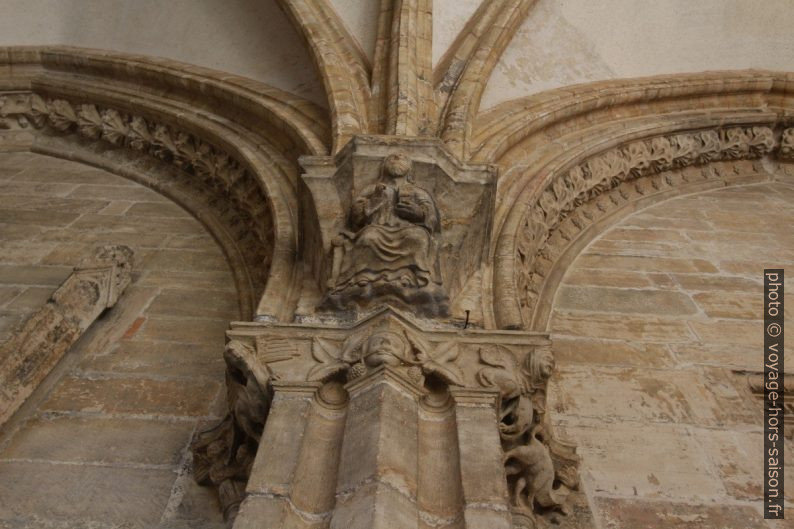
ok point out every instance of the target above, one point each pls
(361, 353)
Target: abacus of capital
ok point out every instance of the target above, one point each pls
(382, 404)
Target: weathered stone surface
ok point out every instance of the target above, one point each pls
(31, 298)
(97, 494)
(125, 451)
(119, 395)
(641, 317)
(7, 293)
(158, 358)
(32, 350)
(181, 259)
(625, 471)
(630, 263)
(154, 209)
(103, 440)
(577, 351)
(624, 300)
(193, 302)
(184, 330)
(709, 449)
(625, 514)
(107, 192)
(627, 327)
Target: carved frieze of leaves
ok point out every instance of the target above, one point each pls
(89, 122)
(328, 355)
(604, 174)
(114, 127)
(139, 137)
(61, 115)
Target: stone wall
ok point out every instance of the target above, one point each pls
(104, 439)
(655, 325)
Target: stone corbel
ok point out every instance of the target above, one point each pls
(34, 348)
(335, 425)
(463, 194)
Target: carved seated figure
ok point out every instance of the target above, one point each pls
(390, 253)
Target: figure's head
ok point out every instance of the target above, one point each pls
(397, 165)
(539, 365)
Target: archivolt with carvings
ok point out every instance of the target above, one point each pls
(207, 165)
(597, 176)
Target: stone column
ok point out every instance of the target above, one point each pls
(377, 484)
(482, 470)
(440, 491)
(267, 502)
(388, 410)
(386, 424)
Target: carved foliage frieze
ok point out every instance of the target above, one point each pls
(363, 352)
(218, 170)
(610, 179)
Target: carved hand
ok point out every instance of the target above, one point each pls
(409, 212)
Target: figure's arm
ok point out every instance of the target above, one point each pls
(367, 203)
(410, 211)
(358, 213)
(419, 208)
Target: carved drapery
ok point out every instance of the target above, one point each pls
(395, 220)
(390, 250)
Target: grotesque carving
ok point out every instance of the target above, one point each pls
(390, 251)
(540, 472)
(223, 455)
(364, 352)
(786, 151)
